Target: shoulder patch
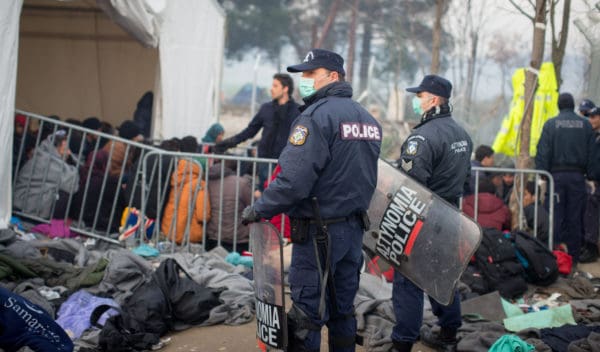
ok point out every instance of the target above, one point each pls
(412, 147)
(299, 135)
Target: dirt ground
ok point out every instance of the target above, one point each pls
(221, 338)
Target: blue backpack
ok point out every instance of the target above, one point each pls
(23, 323)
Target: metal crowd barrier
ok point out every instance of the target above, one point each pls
(521, 177)
(152, 167)
(142, 183)
(75, 213)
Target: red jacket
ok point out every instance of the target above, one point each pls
(276, 220)
(491, 211)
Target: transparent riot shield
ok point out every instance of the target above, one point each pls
(424, 237)
(269, 285)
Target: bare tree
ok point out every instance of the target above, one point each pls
(437, 35)
(504, 51)
(351, 43)
(531, 75)
(468, 28)
(559, 44)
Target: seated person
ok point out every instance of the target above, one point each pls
(188, 203)
(96, 211)
(484, 157)
(47, 178)
(529, 205)
(222, 183)
(491, 210)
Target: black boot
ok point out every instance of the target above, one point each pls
(401, 346)
(589, 254)
(444, 341)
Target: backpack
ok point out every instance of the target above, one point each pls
(144, 318)
(190, 302)
(497, 260)
(538, 261)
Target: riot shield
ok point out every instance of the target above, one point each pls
(267, 254)
(424, 237)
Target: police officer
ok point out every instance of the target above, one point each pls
(563, 150)
(331, 154)
(585, 107)
(437, 154)
(591, 221)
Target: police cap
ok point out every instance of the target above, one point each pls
(317, 58)
(586, 106)
(435, 85)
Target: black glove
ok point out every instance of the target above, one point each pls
(222, 146)
(249, 215)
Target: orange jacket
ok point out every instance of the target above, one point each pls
(184, 184)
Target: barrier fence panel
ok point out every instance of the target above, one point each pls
(85, 188)
(521, 176)
(183, 201)
(114, 180)
(205, 194)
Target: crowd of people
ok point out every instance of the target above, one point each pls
(327, 153)
(59, 172)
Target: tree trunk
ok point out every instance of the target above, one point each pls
(328, 22)
(437, 37)
(531, 80)
(365, 55)
(351, 43)
(559, 45)
(471, 74)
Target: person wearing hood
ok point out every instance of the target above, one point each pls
(331, 156)
(130, 131)
(188, 207)
(564, 151)
(93, 175)
(491, 210)
(226, 189)
(213, 135)
(46, 178)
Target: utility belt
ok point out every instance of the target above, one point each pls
(299, 226)
(567, 168)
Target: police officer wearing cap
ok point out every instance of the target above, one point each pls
(591, 222)
(564, 151)
(331, 154)
(585, 107)
(437, 154)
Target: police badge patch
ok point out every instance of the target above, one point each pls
(298, 136)
(412, 147)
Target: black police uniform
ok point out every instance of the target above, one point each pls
(591, 219)
(563, 150)
(331, 154)
(437, 154)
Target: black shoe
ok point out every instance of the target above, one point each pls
(401, 346)
(589, 254)
(434, 340)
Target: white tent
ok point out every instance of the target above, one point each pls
(189, 35)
